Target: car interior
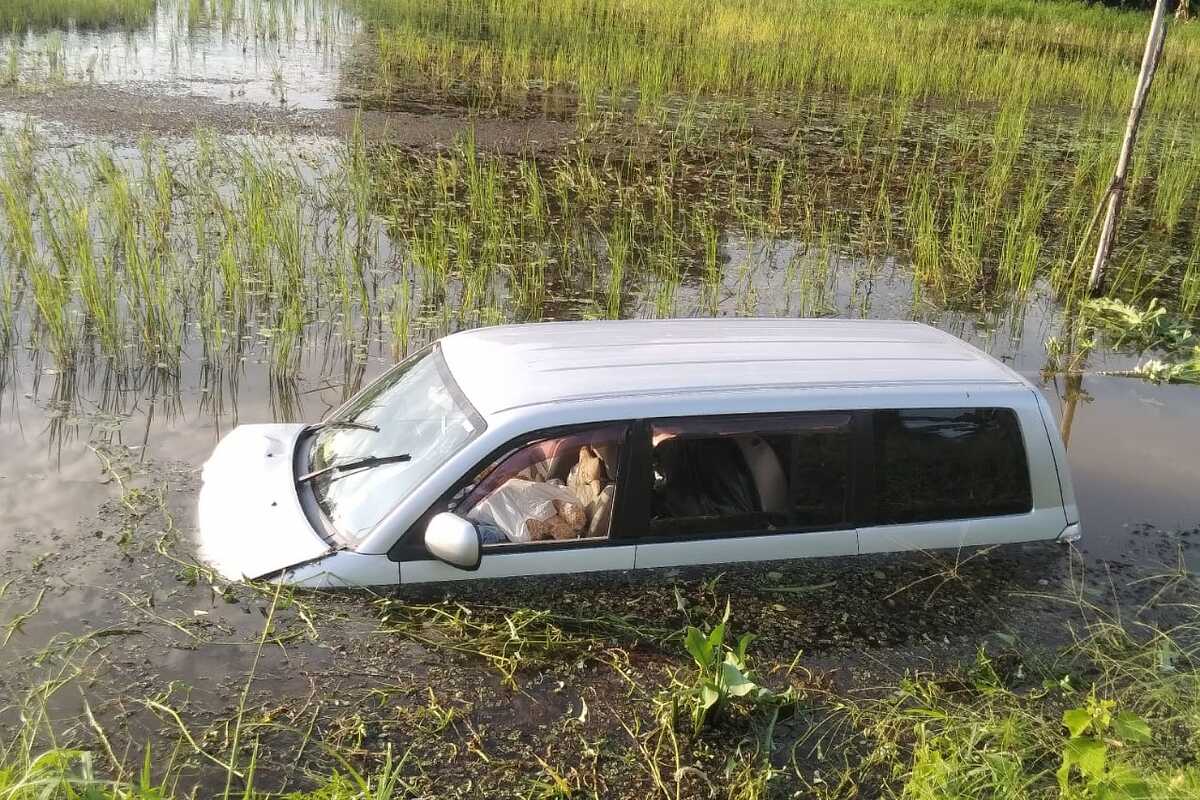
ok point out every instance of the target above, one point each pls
(558, 488)
(713, 483)
(562, 488)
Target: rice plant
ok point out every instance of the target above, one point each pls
(40, 14)
(505, 53)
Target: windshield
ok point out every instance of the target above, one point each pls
(419, 412)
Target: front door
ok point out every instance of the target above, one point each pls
(546, 505)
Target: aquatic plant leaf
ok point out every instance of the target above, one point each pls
(716, 638)
(697, 645)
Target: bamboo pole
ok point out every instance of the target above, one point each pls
(1116, 196)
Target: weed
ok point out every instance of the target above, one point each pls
(722, 677)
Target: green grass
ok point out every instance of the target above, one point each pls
(1063, 54)
(43, 14)
(246, 252)
(1116, 713)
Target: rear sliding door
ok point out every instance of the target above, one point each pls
(714, 490)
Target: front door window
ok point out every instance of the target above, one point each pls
(557, 489)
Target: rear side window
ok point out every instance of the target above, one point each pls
(949, 463)
(730, 475)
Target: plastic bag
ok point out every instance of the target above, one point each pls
(516, 502)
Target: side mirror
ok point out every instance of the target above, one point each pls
(454, 540)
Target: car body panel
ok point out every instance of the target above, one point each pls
(553, 559)
(1061, 465)
(341, 569)
(250, 518)
(734, 549)
(1040, 524)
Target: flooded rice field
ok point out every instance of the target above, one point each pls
(287, 54)
(163, 283)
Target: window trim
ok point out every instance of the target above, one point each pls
(411, 547)
(640, 514)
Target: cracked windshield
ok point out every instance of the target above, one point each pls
(599, 399)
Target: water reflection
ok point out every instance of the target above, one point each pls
(286, 53)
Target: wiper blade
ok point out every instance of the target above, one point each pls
(352, 466)
(343, 423)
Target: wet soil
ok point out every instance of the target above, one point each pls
(122, 115)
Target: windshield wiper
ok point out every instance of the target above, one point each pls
(356, 464)
(342, 423)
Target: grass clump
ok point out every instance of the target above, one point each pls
(1116, 719)
(44, 14)
(606, 51)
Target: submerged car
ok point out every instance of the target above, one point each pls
(571, 447)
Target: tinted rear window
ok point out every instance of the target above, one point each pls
(949, 463)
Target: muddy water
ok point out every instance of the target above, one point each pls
(1131, 444)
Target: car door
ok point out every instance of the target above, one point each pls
(744, 488)
(512, 486)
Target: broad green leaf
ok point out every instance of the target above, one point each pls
(698, 646)
(1077, 720)
(716, 638)
(1063, 774)
(1109, 791)
(709, 695)
(1087, 754)
(1131, 727)
(736, 684)
(1123, 783)
(743, 644)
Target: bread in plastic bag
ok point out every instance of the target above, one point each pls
(517, 501)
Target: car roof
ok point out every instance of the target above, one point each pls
(512, 366)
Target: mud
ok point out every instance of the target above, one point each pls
(121, 115)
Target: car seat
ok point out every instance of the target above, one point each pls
(769, 478)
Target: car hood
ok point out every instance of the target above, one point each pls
(250, 519)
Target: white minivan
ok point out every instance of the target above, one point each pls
(572, 447)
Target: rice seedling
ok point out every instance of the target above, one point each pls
(41, 14)
(502, 51)
(12, 61)
(271, 250)
(1176, 180)
(1189, 289)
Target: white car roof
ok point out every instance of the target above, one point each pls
(513, 366)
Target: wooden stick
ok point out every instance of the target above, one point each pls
(1154, 48)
